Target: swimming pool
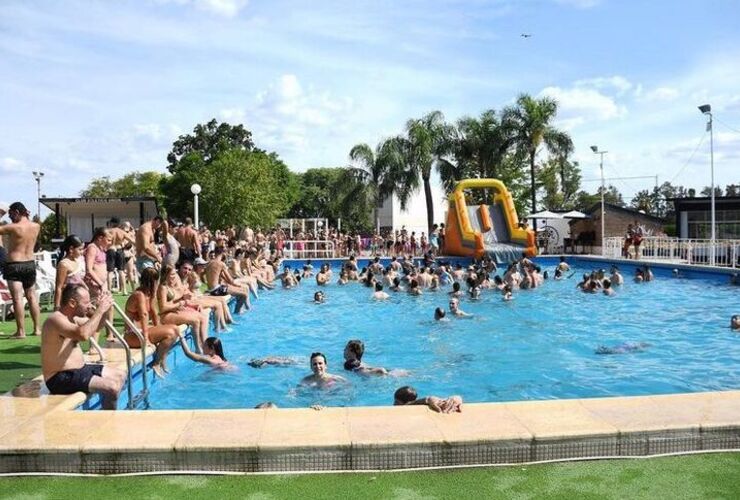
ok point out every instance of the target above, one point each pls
(539, 346)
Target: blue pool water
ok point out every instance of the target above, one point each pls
(538, 346)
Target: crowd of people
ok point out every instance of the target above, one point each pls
(175, 275)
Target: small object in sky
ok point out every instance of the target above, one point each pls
(526, 35)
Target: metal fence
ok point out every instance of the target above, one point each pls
(308, 249)
(724, 253)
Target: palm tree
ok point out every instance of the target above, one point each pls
(532, 118)
(371, 178)
(479, 147)
(426, 141)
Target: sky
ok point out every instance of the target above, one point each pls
(96, 88)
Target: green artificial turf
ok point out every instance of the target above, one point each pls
(20, 359)
(695, 476)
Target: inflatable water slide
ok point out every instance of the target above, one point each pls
(480, 230)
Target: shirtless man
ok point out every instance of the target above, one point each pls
(115, 260)
(4, 207)
(220, 282)
(62, 361)
(20, 268)
(379, 294)
(406, 396)
(147, 254)
(320, 377)
(455, 308)
(189, 241)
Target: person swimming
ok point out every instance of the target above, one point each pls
(625, 348)
(735, 322)
(213, 352)
(320, 377)
(379, 294)
(272, 361)
(608, 291)
(455, 309)
(353, 352)
(439, 314)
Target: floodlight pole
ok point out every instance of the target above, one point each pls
(707, 110)
(595, 149)
(37, 176)
(195, 189)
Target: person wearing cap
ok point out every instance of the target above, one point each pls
(20, 268)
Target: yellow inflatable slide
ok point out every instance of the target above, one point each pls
(493, 230)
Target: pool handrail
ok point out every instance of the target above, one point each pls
(144, 394)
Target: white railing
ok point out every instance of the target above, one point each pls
(685, 251)
(308, 249)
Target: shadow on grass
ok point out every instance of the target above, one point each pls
(15, 365)
(23, 349)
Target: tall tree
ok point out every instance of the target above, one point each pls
(131, 184)
(244, 188)
(372, 177)
(560, 179)
(192, 153)
(533, 119)
(427, 139)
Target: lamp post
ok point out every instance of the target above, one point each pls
(37, 176)
(195, 189)
(595, 149)
(707, 110)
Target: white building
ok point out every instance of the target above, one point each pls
(414, 218)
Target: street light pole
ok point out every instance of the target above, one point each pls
(707, 110)
(37, 176)
(195, 189)
(595, 149)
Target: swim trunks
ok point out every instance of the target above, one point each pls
(25, 272)
(218, 291)
(114, 260)
(71, 381)
(142, 262)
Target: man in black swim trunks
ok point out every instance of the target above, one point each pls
(4, 207)
(20, 268)
(62, 361)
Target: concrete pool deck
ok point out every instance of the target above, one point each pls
(46, 434)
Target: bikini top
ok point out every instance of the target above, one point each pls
(100, 256)
(76, 277)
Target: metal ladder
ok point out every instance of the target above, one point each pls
(143, 395)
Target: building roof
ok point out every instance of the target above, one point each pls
(705, 199)
(610, 207)
(101, 206)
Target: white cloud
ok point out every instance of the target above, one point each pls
(661, 94)
(619, 83)
(156, 133)
(224, 8)
(11, 165)
(578, 105)
(288, 118)
(579, 4)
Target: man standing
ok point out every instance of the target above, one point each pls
(189, 241)
(147, 254)
(114, 257)
(3, 254)
(20, 268)
(62, 361)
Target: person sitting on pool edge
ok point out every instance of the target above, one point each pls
(353, 353)
(407, 396)
(320, 377)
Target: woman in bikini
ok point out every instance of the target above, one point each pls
(96, 270)
(175, 308)
(71, 270)
(140, 309)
